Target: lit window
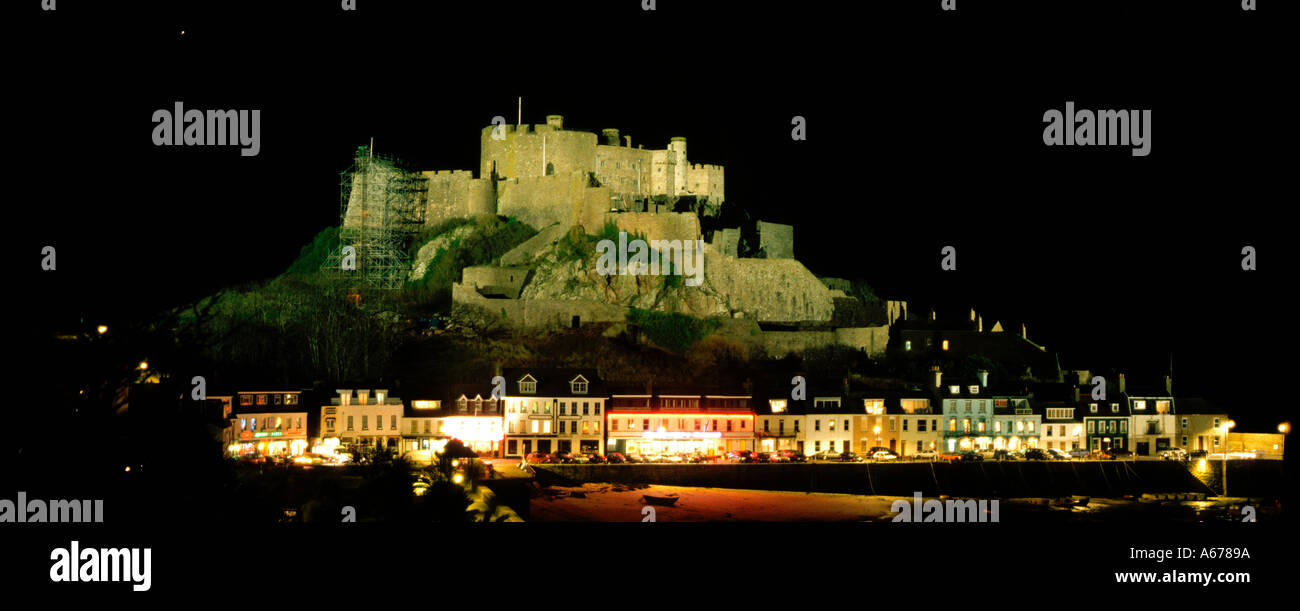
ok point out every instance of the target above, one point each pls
(528, 385)
(945, 344)
(1139, 405)
(954, 389)
(578, 385)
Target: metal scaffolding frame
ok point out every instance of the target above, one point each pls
(381, 205)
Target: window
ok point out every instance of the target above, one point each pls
(907, 344)
(1031, 426)
(585, 408)
(920, 426)
(365, 423)
(645, 424)
(817, 444)
(245, 399)
(349, 422)
(392, 422)
(261, 399)
(1114, 408)
(905, 424)
(1092, 426)
(830, 424)
(595, 427)
(780, 427)
(945, 344)
(537, 426)
(613, 424)
(974, 389)
(965, 425)
(1139, 405)
(528, 385)
(766, 428)
(952, 425)
(997, 426)
(728, 425)
(796, 426)
(968, 407)
(893, 425)
(1020, 426)
(595, 408)
(1184, 423)
(817, 425)
(428, 425)
(546, 426)
(578, 385)
(277, 399)
(1092, 407)
(979, 426)
(562, 408)
(1123, 426)
(329, 425)
(954, 389)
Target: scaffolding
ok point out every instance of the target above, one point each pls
(381, 206)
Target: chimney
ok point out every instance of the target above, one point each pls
(972, 314)
(984, 378)
(937, 375)
(1169, 386)
(931, 314)
(979, 323)
(629, 141)
(1076, 394)
(846, 387)
(611, 136)
(1023, 334)
(1122, 387)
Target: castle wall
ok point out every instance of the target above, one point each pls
(769, 290)
(529, 150)
(781, 343)
(776, 240)
(539, 314)
(706, 181)
(457, 194)
(873, 340)
(625, 170)
(541, 201)
(510, 278)
(662, 226)
(727, 241)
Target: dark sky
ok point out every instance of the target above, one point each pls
(921, 134)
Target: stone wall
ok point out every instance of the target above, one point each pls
(781, 343)
(626, 171)
(662, 226)
(768, 290)
(776, 240)
(457, 194)
(727, 241)
(873, 340)
(544, 239)
(530, 315)
(706, 181)
(536, 150)
(545, 200)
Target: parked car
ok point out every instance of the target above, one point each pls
(963, 456)
(596, 459)
(746, 456)
(827, 455)
(793, 455)
(635, 458)
(616, 458)
(537, 457)
(672, 458)
(777, 456)
(1079, 453)
(764, 457)
(1058, 454)
(699, 458)
(926, 455)
(881, 453)
(850, 457)
(1198, 453)
(562, 457)
(1177, 454)
(1116, 454)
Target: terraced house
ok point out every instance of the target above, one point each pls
(553, 410)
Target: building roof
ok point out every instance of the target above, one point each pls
(554, 381)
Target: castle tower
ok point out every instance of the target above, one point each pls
(677, 151)
(555, 121)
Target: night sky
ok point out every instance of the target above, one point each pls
(919, 136)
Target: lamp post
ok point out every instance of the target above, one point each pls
(1226, 425)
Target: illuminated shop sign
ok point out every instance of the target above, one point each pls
(268, 434)
(681, 435)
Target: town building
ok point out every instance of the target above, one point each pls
(553, 410)
(465, 412)
(360, 418)
(270, 423)
(1154, 426)
(679, 420)
(919, 427)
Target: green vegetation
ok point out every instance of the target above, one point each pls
(676, 332)
(492, 238)
(313, 255)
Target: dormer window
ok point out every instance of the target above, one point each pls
(528, 385)
(1139, 405)
(954, 389)
(462, 403)
(291, 399)
(424, 404)
(778, 405)
(380, 395)
(578, 385)
(945, 344)
(1092, 407)
(974, 389)
(1114, 408)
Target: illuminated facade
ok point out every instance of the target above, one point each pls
(679, 422)
(918, 423)
(465, 412)
(268, 423)
(553, 410)
(362, 419)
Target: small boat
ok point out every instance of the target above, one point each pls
(660, 500)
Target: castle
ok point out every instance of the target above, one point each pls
(554, 179)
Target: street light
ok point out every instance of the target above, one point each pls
(1226, 425)
(1284, 428)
